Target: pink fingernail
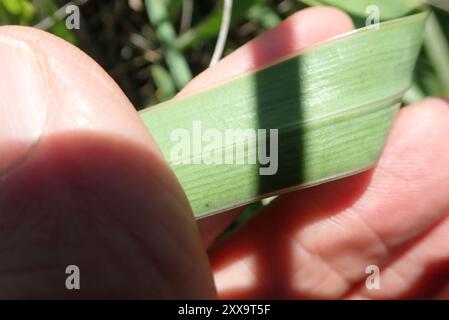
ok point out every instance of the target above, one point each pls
(23, 101)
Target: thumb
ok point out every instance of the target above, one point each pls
(82, 183)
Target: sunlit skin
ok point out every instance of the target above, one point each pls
(95, 191)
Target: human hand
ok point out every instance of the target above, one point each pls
(83, 183)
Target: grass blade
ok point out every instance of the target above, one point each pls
(437, 50)
(166, 33)
(388, 9)
(332, 105)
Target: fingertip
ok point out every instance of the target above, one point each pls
(97, 157)
(427, 116)
(82, 96)
(321, 23)
(437, 102)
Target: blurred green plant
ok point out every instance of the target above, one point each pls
(29, 13)
(166, 34)
(172, 55)
(16, 12)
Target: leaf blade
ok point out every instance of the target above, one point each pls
(339, 111)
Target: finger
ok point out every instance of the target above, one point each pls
(301, 30)
(211, 227)
(420, 272)
(85, 185)
(322, 239)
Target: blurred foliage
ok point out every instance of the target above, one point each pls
(29, 13)
(16, 12)
(150, 51)
(174, 58)
(140, 43)
(144, 48)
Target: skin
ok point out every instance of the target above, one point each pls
(93, 190)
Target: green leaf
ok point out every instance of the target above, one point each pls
(441, 4)
(437, 50)
(265, 15)
(210, 26)
(332, 105)
(165, 86)
(389, 9)
(166, 33)
(19, 11)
